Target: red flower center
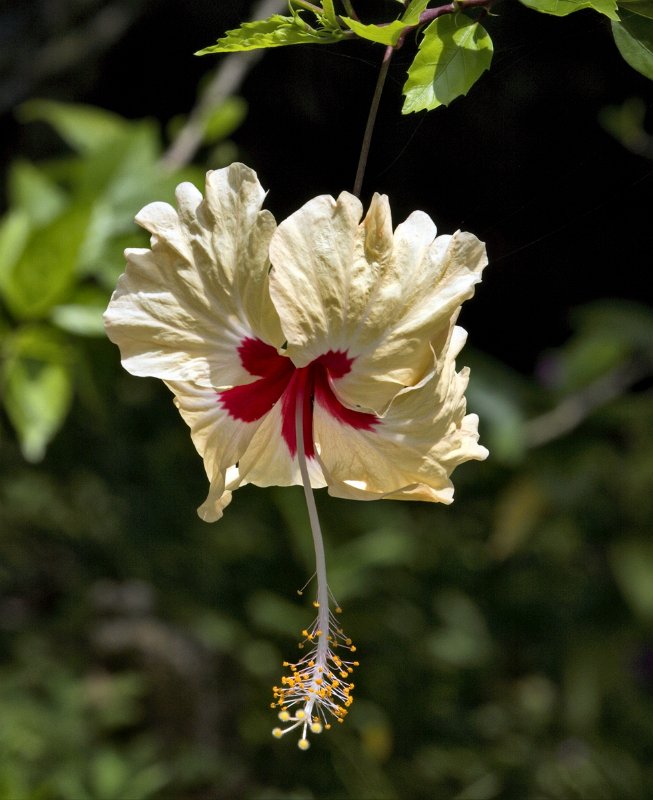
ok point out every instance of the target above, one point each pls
(279, 379)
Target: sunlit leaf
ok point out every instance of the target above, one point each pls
(330, 13)
(32, 191)
(382, 34)
(83, 320)
(37, 387)
(45, 271)
(276, 31)
(561, 8)
(453, 54)
(14, 233)
(85, 128)
(412, 14)
(634, 38)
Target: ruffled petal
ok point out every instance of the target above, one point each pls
(218, 437)
(413, 449)
(236, 451)
(342, 284)
(268, 461)
(182, 308)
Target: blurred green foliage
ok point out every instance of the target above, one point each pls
(505, 642)
(61, 244)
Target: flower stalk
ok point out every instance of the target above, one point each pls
(371, 119)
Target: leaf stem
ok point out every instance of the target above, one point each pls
(350, 9)
(433, 13)
(307, 6)
(371, 119)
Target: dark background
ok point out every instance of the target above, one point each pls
(523, 161)
(506, 641)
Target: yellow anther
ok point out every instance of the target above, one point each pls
(303, 744)
(301, 714)
(277, 733)
(353, 648)
(316, 727)
(284, 716)
(316, 604)
(338, 610)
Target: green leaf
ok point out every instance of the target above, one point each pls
(32, 191)
(387, 34)
(116, 185)
(634, 38)
(14, 234)
(37, 387)
(222, 121)
(45, 271)
(83, 314)
(606, 7)
(642, 7)
(632, 564)
(561, 8)
(82, 320)
(276, 31)
(85, 128)
(330, 13)
(453, 54)
(412, 14)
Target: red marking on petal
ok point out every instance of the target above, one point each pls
(337, 363)
(299, 386)
(254, 400)
(325, 396)
(281, 380)
(259, 358)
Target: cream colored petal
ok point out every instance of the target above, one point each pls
(342, 284)
(412, 451)
(268, 462)
(236, 452)
(220, 439)
(182, 308)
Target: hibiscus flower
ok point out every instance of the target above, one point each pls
(318, 352)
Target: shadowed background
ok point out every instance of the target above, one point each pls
(505, 642)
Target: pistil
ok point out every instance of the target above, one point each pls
(319, 682)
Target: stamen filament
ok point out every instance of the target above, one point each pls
(318, 543)
(319, 681)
